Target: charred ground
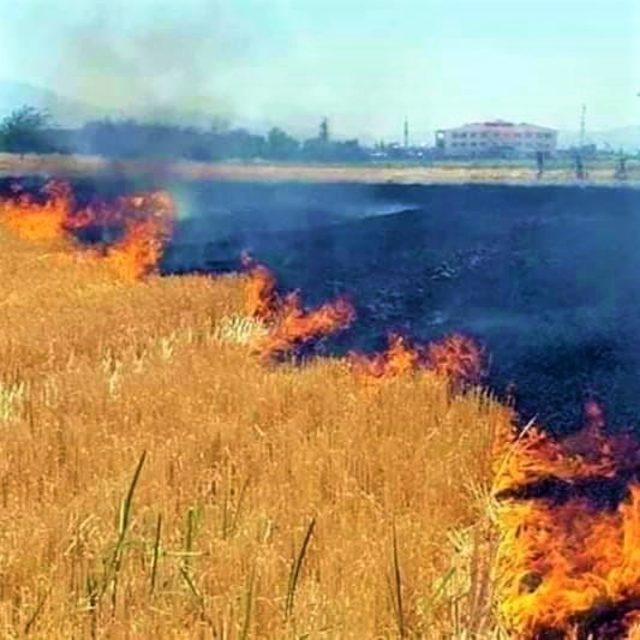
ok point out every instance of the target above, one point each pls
(545, 277)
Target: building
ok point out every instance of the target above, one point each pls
(496, 139)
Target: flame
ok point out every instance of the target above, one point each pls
(145, 219)
(633, 623)
(262, 301)
(289, 324)
(31, 219)
(294, 326)
(148, 224)
(570, 520)
(400, 358)
(138, 253)
(456, 357)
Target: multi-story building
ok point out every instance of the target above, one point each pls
(497, 138)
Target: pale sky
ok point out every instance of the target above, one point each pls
(363, 64)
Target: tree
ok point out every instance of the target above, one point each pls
(219, 125)
(281, 145)
(24, 130)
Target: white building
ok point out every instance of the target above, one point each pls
(496, 138)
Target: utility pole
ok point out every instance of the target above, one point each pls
(621, 172)
(324, 130)
(581, 173)
(583, 126)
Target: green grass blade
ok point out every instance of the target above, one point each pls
(294, 574)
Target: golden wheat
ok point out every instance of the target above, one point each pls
(158, 481)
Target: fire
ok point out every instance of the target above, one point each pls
(457, 357)
(289, 324)
(262, 301)
(145, 220)
(294, 326)
(124, 209)
(570, 518)
(32, 219)
(138, 253)
(399, 358)
(148, 222)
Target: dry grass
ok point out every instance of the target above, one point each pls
(158, 481)
(501, 172)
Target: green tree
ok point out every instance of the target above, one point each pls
(24, 130)
(281, 145)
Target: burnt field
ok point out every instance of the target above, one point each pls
(545, 278)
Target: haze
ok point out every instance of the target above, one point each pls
(365, 66)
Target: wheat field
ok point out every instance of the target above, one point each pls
(498, 172)
(157, 480)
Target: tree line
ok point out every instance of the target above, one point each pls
(31, 130)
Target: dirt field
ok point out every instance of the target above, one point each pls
(73, 166)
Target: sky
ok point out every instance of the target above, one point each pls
(363, 64)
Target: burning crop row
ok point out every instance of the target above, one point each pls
(569, 509)
(570, 520)
(290, 326)
(143, 221)
(457, 357)
(38, 220)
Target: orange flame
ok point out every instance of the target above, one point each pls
(138, 253)
(570, 518)
(456, 357)
(399, 358)
(295, 326)
(148, 225)
(30, 219)
(146, 219)
(262, 301)
(290, 325)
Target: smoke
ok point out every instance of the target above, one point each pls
(544, 277)
(161, 61)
